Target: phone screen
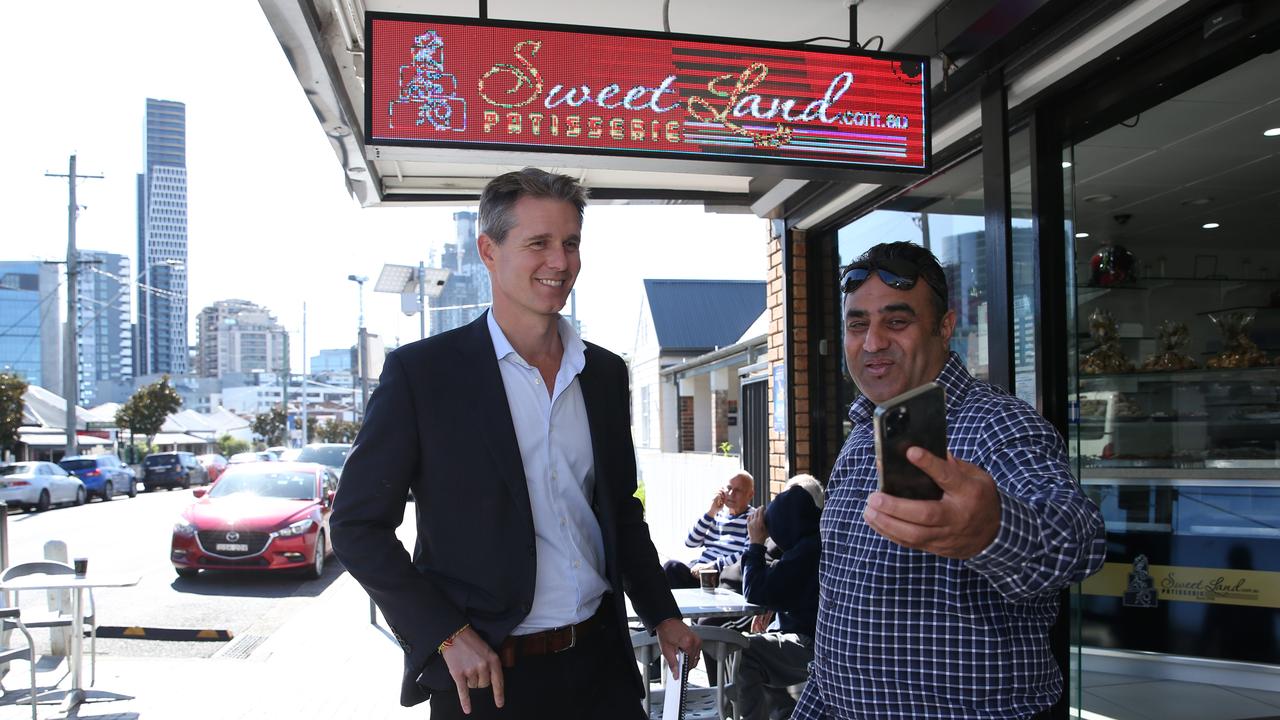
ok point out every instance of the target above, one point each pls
(916, 418)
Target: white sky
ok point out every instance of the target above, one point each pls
(269, 219)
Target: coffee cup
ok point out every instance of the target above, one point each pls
(709, 579)
(81, 565)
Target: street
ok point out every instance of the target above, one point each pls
(132, 536)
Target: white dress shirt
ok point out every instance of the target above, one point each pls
(555, 448)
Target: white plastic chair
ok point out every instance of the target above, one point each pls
(55, 617)
(722, 645)
(12, 618)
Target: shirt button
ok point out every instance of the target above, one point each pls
(577, 563)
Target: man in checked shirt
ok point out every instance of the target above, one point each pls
(941, 608)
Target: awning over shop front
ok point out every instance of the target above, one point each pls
(57, 439)
(177, 438)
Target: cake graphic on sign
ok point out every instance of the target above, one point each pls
(425, 84)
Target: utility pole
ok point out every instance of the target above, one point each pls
(422, 300)
(71, 353)
(305, 439)
(362, 351)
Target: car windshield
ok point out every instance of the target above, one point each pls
(160, 459)
(265, 483)
(18, 468)
(332, 455)
(78, 464)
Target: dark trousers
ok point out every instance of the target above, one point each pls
(679, 575)
(585, 682)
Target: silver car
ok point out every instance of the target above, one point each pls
(39, 485)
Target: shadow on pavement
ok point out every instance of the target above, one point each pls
(247, 583)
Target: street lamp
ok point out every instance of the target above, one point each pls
(362, 350)
(414, 285)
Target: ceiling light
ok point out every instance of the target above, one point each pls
(1273, 132)
(1197, 201)
(1066, 164)
(1210, 226)
(1099, 198)
(1082, 234)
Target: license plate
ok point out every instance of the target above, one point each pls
(232, 547)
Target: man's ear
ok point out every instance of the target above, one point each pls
(947, 326)
(487, 247)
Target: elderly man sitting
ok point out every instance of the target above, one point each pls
(721, 533)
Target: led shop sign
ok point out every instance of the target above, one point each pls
(451, 83)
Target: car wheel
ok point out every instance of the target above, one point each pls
(186, 482)
(108, 491)
(81, 496)
(133, 489)
(43, 503)
(187, 572)
(316, 570)
(148, 488)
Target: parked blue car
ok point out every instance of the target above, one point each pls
(104, 476)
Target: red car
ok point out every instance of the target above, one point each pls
(214, 464)
(258, 516)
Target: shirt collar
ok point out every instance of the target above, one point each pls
(953, 378)
(574, 348)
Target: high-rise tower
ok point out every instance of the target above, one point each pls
(161, 338)
(102, 317)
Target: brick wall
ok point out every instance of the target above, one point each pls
(686, 423)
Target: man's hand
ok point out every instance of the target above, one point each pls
(960, 525)
(473, 664)
(760, 623)
(717, 502)
(674, 635)
(756, 530)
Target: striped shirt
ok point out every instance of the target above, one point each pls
(723, 538)
(908, 634)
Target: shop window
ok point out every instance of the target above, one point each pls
(1176, 422)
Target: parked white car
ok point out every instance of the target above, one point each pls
(39, 485)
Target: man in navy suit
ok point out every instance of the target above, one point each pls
(514, 436)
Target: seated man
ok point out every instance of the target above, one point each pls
(776, 659)
(721, 533)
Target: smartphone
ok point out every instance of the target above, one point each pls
(916, 418)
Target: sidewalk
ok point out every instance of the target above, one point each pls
(325, 662)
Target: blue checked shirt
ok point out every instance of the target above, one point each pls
(908, 634)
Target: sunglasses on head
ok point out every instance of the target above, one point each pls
(897, 274)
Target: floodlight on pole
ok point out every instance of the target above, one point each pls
(414, 285)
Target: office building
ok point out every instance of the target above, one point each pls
(468, 292)
(102, 319)
(237, 336)
(162, 242)
(30, 323)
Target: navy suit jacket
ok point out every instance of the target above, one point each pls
(439, 425)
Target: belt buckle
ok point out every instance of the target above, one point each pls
(573, 639)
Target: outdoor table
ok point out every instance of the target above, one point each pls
(696, 603)
(77, 584)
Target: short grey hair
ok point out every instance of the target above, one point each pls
(502, 192)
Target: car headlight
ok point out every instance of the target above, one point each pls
(184, 528)
(296, 529)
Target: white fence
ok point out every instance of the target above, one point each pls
(678, 490)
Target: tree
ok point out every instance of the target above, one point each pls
(337, 431)
(12, 389)
(272, 425)
(229, 446)
(145, 412)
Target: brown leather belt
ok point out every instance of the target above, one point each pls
(546, 642)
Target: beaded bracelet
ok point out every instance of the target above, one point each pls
(448, 642)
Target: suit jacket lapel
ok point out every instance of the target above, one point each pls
(493, 412)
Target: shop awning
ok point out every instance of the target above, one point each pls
(177, 438)
(58, 439)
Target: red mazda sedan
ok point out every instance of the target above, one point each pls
(258, 516)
